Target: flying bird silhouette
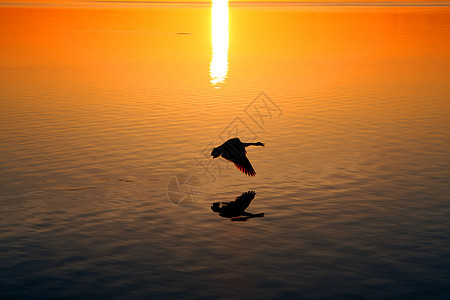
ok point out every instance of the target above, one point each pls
(234, 151)
(236, 209)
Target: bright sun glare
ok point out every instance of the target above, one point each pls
(219, 41)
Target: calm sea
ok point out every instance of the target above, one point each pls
(108, 114)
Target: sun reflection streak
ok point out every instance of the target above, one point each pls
(219, 41)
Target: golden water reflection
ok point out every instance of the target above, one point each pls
(219, 41)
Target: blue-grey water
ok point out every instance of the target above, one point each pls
(102, 108)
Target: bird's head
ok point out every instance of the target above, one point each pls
(216, 152)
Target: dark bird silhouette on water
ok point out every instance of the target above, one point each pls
(236, 209)
(234, 151)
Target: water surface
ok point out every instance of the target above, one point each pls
(101, 107)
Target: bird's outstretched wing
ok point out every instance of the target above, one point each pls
(243, 164)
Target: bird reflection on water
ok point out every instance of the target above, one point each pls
(236, 209)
